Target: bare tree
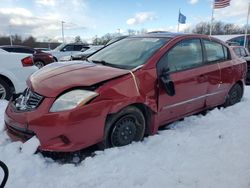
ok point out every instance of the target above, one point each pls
(78, 39)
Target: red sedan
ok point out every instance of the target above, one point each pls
(40, 58)
(125, 91)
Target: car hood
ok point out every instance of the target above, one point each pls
(55, 78)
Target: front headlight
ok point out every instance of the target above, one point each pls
(72, 99)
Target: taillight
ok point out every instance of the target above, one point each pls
(27, 61)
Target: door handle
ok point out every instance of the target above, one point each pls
(202, 78)
(230, 69)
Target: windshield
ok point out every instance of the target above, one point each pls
(58, 48)
(129, 53)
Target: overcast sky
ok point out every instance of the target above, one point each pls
(88, 18)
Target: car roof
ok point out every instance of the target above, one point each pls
(76, 44)
(237, 47)
(165, 34)
(14, 46)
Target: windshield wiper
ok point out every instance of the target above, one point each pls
(105, 63)
(100, 62)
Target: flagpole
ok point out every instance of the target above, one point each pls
(212, 19)
(245, 38)
(178, 21)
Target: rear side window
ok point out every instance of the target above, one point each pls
(184, 55)
(20, 50)
(215, 51)
(26, 50)
(8, 49)
(78, 47)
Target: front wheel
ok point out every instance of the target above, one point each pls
(5, 90)
(125, 127)
(234, 95)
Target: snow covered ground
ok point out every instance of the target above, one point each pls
(201, 151)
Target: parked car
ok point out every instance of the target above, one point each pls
(43, 49)
(242, 52)
(14, 70)
(40, 58)
(125, 91)
(83, 54)
(67, 50)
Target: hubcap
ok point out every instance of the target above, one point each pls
(39, 64)
(2, 92)
(124, 132)
(235, 96)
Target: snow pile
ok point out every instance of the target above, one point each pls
(3, 105)
(201, 151)
(30, 146)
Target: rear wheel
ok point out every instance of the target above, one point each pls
(234, 96)
(5, 90)
(39, 64)
(125, 127)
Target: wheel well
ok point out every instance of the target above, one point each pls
(240, 83)
(39, 60)
(8, 81)
(147, 113)
(55, 58)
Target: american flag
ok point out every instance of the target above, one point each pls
(221, 3)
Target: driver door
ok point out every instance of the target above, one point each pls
(184, 65)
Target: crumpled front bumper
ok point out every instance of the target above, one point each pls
(65, 131)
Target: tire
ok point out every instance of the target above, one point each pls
(39, 64)
(124, 128)
(5, 90)
(234, 95)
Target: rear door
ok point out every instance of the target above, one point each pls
(216, 58)
(186, 70)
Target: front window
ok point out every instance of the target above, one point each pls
(186, 54)
(129, 53)
(68, 48)
(58, 48)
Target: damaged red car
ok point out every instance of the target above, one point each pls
(125, 91)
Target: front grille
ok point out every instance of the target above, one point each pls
(34, 100)
(28, 100)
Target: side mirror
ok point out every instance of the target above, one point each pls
(167, 83)
(6, 174)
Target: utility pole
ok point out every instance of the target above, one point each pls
(10, 35)
(245, 38)
(63, 31)
(212, 19)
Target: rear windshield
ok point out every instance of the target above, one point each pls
(129, 53)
